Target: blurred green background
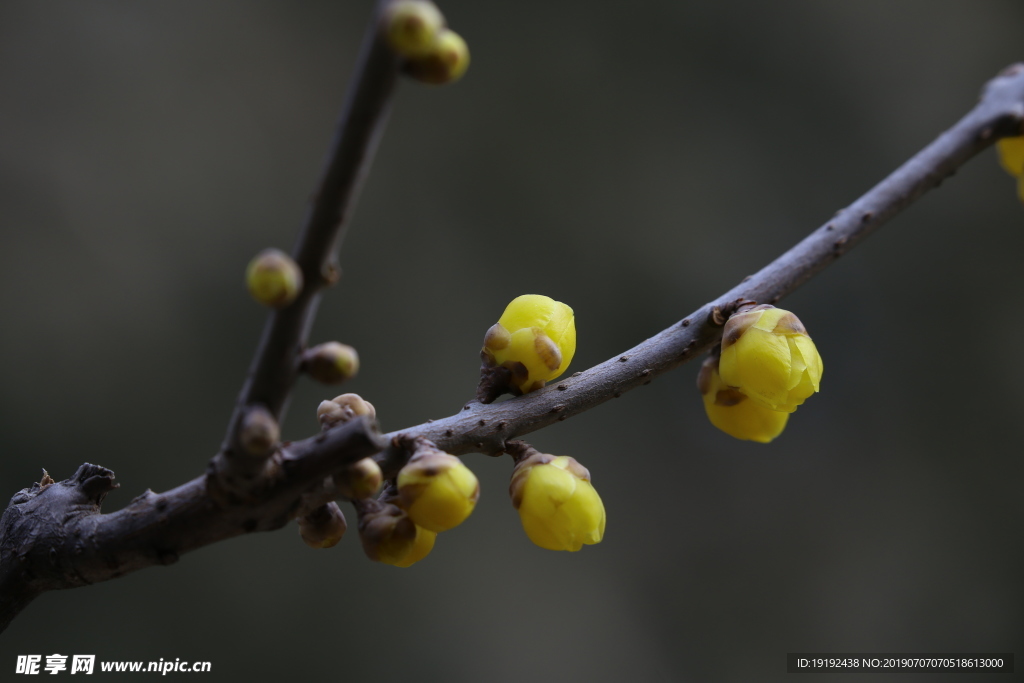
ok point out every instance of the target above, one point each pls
(631, 159)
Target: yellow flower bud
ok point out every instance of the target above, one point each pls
(273, 278)
(389, 536)
(437, 490)
(323, 527)
(558, 506)
(534, 340)
(421, 547)
(1011, 155)
(361, 479)
(733, 412)
(331, 362)
(767, 355)
(445, 62)
(411, 27)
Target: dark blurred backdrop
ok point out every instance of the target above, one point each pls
(631, 159)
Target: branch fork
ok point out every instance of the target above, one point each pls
(53, 535)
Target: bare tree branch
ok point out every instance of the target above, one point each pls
(275, 366)
(485, 428)
(53, 536)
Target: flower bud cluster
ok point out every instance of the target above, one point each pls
(1011, 157)
(767, 368)
(434, 492)
(343, 408)
(558, 506)
(362, 478)
(415, 30)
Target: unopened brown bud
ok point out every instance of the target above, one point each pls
(359, 480)
(258, 433)
(323, 527)
(411, 26)
(331, 362)
(386, 532)
(447, 60)
(343, 408)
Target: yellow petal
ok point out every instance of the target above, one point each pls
(759, 363)
(421, 547)
(586, 512)
(740, 417)
(768, 319)
(529, 310)
(522, 348)
(798, 368)
(1011, 155)
(811, 357)
(437, 491)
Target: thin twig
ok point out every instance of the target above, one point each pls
(275, 366)
(55, 537)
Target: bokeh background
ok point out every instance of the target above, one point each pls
(632, 159)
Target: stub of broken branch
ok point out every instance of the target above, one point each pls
(54, 535)
(37, 531)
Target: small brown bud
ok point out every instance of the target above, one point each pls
(411, 27)
(258, 433)
(323, 527)
(359, 480)
(447, 60)
(331, 363)
(386, 532)
(497, 338)
(273, 278)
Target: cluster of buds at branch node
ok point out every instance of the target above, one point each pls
(273, 278)
(323, 527)
(531, 344)
(388, 534)
(331, 362)
(558, 506)
(258, 432)
(433, 53)
(437, 490)
(343, 408)
(768, 366)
